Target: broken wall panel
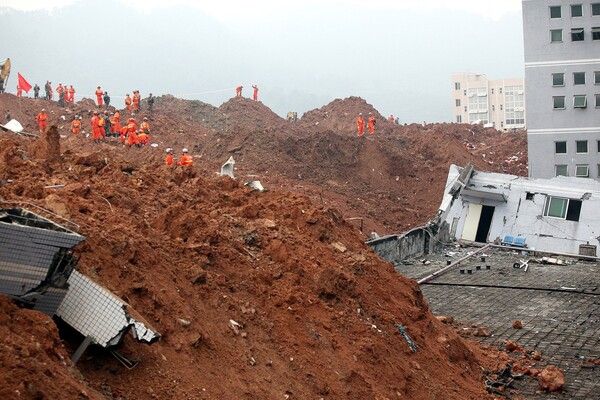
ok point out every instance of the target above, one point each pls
(94, 311)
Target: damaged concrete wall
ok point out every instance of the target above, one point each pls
(522, 212)
(415, 243)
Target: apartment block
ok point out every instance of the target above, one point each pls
(562, 75)
(475, 99)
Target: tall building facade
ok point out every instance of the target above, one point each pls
(562, 75)
(475, 99)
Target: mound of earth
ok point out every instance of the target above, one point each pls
(257, 294)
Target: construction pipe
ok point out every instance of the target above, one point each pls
(457, 262)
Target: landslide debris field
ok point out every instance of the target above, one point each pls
(191, 252)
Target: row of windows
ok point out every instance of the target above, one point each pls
(577, 34)
(579, 101)
(576, 10)
(581, 147)
(581, 170)
(517, 118)
(579, 78)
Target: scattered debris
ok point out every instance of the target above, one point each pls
(227, 168)
(255, 185)
(413, 347)
(235, 327)
(517, 324)
(551, 378)
(497, 382)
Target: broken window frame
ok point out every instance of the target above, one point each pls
(582, 171)
(555, 12)
(578, 78)
(556, 35)
(568, 209)
(580, 101)
(576, 10)
(577, 34)
(558, 102)
(558, 79)
(561, 170)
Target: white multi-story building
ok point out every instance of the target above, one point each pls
(475, 99)
(562, 74)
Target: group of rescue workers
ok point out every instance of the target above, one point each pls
(108, 124)
(360, 123)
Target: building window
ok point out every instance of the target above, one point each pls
(457, 101)
(598, 166)
(581, 146)
(555, 12)
(493, 107)
(558, 79)
(456, 85)
(465, 108)
(459, 119)
(559, 207)
(578, 78)
(579, 101)
(500, 90)
(501, 124)
(597, 105)
(596, 33)
(501, 107)
(595, 9)
(582, 171)
(559, 102)
(560, 147)
(597, 77)
(492, 90)
(577, 35)
(576, 10)
(561, 170)
(556, 35)
(598, 148)
(465, 92)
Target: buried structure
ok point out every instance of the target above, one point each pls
(37, 270)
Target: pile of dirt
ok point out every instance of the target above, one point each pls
(257, 294)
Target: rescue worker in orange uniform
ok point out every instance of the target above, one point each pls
(133, 139)
(169, 156)
(96, 134)
(101, 125)
(71, 94)
(360, 123)
(238, 91)
(186, 160)
(19, 91)
(60, 90)
(42, 119)
(391, 118)
(116, 124)
(371, 123)
(76, 125)
(136, 101)
(128, 102)
(143, 137)
(99, 94)
(145, 126)
(255, 95)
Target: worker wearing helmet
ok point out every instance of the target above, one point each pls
(76, 125)
(371, 123)
(128, 102)
(96, 133)
(99, 94)
(169, 156)
(42, 119)
(145, 126)
(360, 123)
(186, 160)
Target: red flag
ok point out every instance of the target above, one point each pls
(23, 83)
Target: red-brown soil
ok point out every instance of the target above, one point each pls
(192, 251)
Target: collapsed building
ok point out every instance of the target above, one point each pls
(38, 271)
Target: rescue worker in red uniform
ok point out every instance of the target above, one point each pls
(360, 123)
(116, 124)
(96, 134)
(169, 160)
(255, 95)
(145, 126)
(99, 94)
(371, 123)
(136, 101)
(76, 125)
(19, 91)
(238, 91)
(71, 91)
(186, 160)
(42, 119)
(128, 102)
(133, 139)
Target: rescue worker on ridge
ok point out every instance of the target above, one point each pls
(106, 98)
(60, 90)
(186, 160)
(371, 123)
(71, 94)
(391, 118)
(128, 102)
(99, 94)
(19, 91)
(76, 125)
(41, 119)
(238, 91)
(136, 101)
(169, 160)
(116, 123)
(96, 134)
(360, 123)
(255, 95)
(36, 91)
(150, 102)
(101, 125)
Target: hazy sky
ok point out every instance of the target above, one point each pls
(398, 55)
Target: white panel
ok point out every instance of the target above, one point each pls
(472, 222)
